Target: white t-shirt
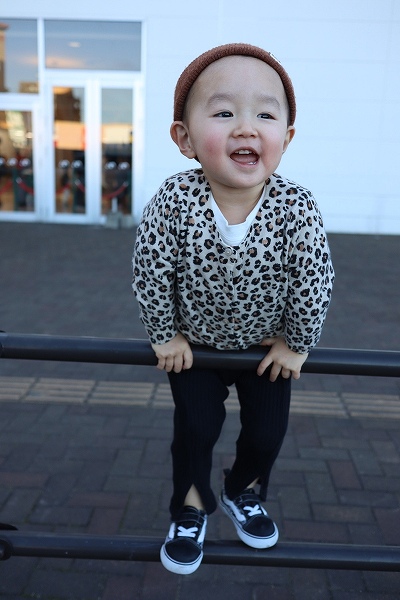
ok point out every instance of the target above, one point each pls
(233, 235)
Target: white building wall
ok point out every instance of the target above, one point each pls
(344, 60)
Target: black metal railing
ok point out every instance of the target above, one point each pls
(139, 352)
(147, 549)
(337, 361)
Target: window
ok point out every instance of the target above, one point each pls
(102, 45)
(18, 56)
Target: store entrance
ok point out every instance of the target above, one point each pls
(92, 163)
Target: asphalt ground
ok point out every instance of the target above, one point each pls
(84, 448)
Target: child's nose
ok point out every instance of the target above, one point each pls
(245, 127)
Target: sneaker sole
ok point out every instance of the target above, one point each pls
(179, 568)
(259, 543)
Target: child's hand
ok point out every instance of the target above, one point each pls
(175, 355)
(282, 359)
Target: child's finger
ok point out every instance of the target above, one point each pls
(178, 363)
(276, 369)
(188, 358)
(264, 364)
(287, 373)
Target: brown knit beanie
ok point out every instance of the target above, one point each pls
(191, 73)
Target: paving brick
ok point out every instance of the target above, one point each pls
(389, 522)
(61, 515)
(99, 499)
(310, 583)
(286, 477)
(305, 531)
(122, 588)
(342, 514)
(344, 475)
(366, 462)
(320, 488)
(21, 457)
(106, 521)
(90, 452)
(24, 480)
(381, 499)
(345, 581)
(46, 583)
(345, 444)
(324, 454)
(92, 476)
(272, 592)
(235, 590)
(355, 595)
(295, 503)
(15, 574)
(19, 503)
(391, 470)
(60, 484)
(156, 451)
(382, 583)
(157, 578)
(386, 451)
(369, 535)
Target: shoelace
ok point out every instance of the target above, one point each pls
(248, 502)
(184, 532)
(253, 510)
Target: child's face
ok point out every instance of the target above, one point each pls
(235, 123)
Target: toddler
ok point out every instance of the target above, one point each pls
(230, 254)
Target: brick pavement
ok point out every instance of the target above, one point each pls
(83, 449)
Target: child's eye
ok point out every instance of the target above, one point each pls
(224, 113)
(265, 116)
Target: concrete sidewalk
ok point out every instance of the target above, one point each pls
(85, 447)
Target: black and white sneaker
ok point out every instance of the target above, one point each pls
(253, 525)
(182, 551)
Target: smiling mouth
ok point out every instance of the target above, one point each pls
(245, 157)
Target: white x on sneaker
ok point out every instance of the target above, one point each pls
(253, 525)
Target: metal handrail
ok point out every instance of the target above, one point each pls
(339, 361)
(147, 549)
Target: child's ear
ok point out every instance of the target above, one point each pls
(288, 138)
(180, 135)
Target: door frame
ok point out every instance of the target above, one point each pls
(92, 82)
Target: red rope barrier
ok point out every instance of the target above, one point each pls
(117, 192)
(6, 187)
(23, 186)
(80, 185)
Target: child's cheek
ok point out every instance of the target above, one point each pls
(212, 145)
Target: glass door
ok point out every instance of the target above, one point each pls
(17, 193)
(92, 151)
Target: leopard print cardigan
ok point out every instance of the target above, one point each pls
(277, 282)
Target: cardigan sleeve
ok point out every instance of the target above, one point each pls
(154, 267)
(310, 278)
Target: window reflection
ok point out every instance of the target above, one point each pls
(116, 136)
(18, 56)
(16, 171)
(105, 45)
(69, 145)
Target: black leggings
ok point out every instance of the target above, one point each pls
(199, 396)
